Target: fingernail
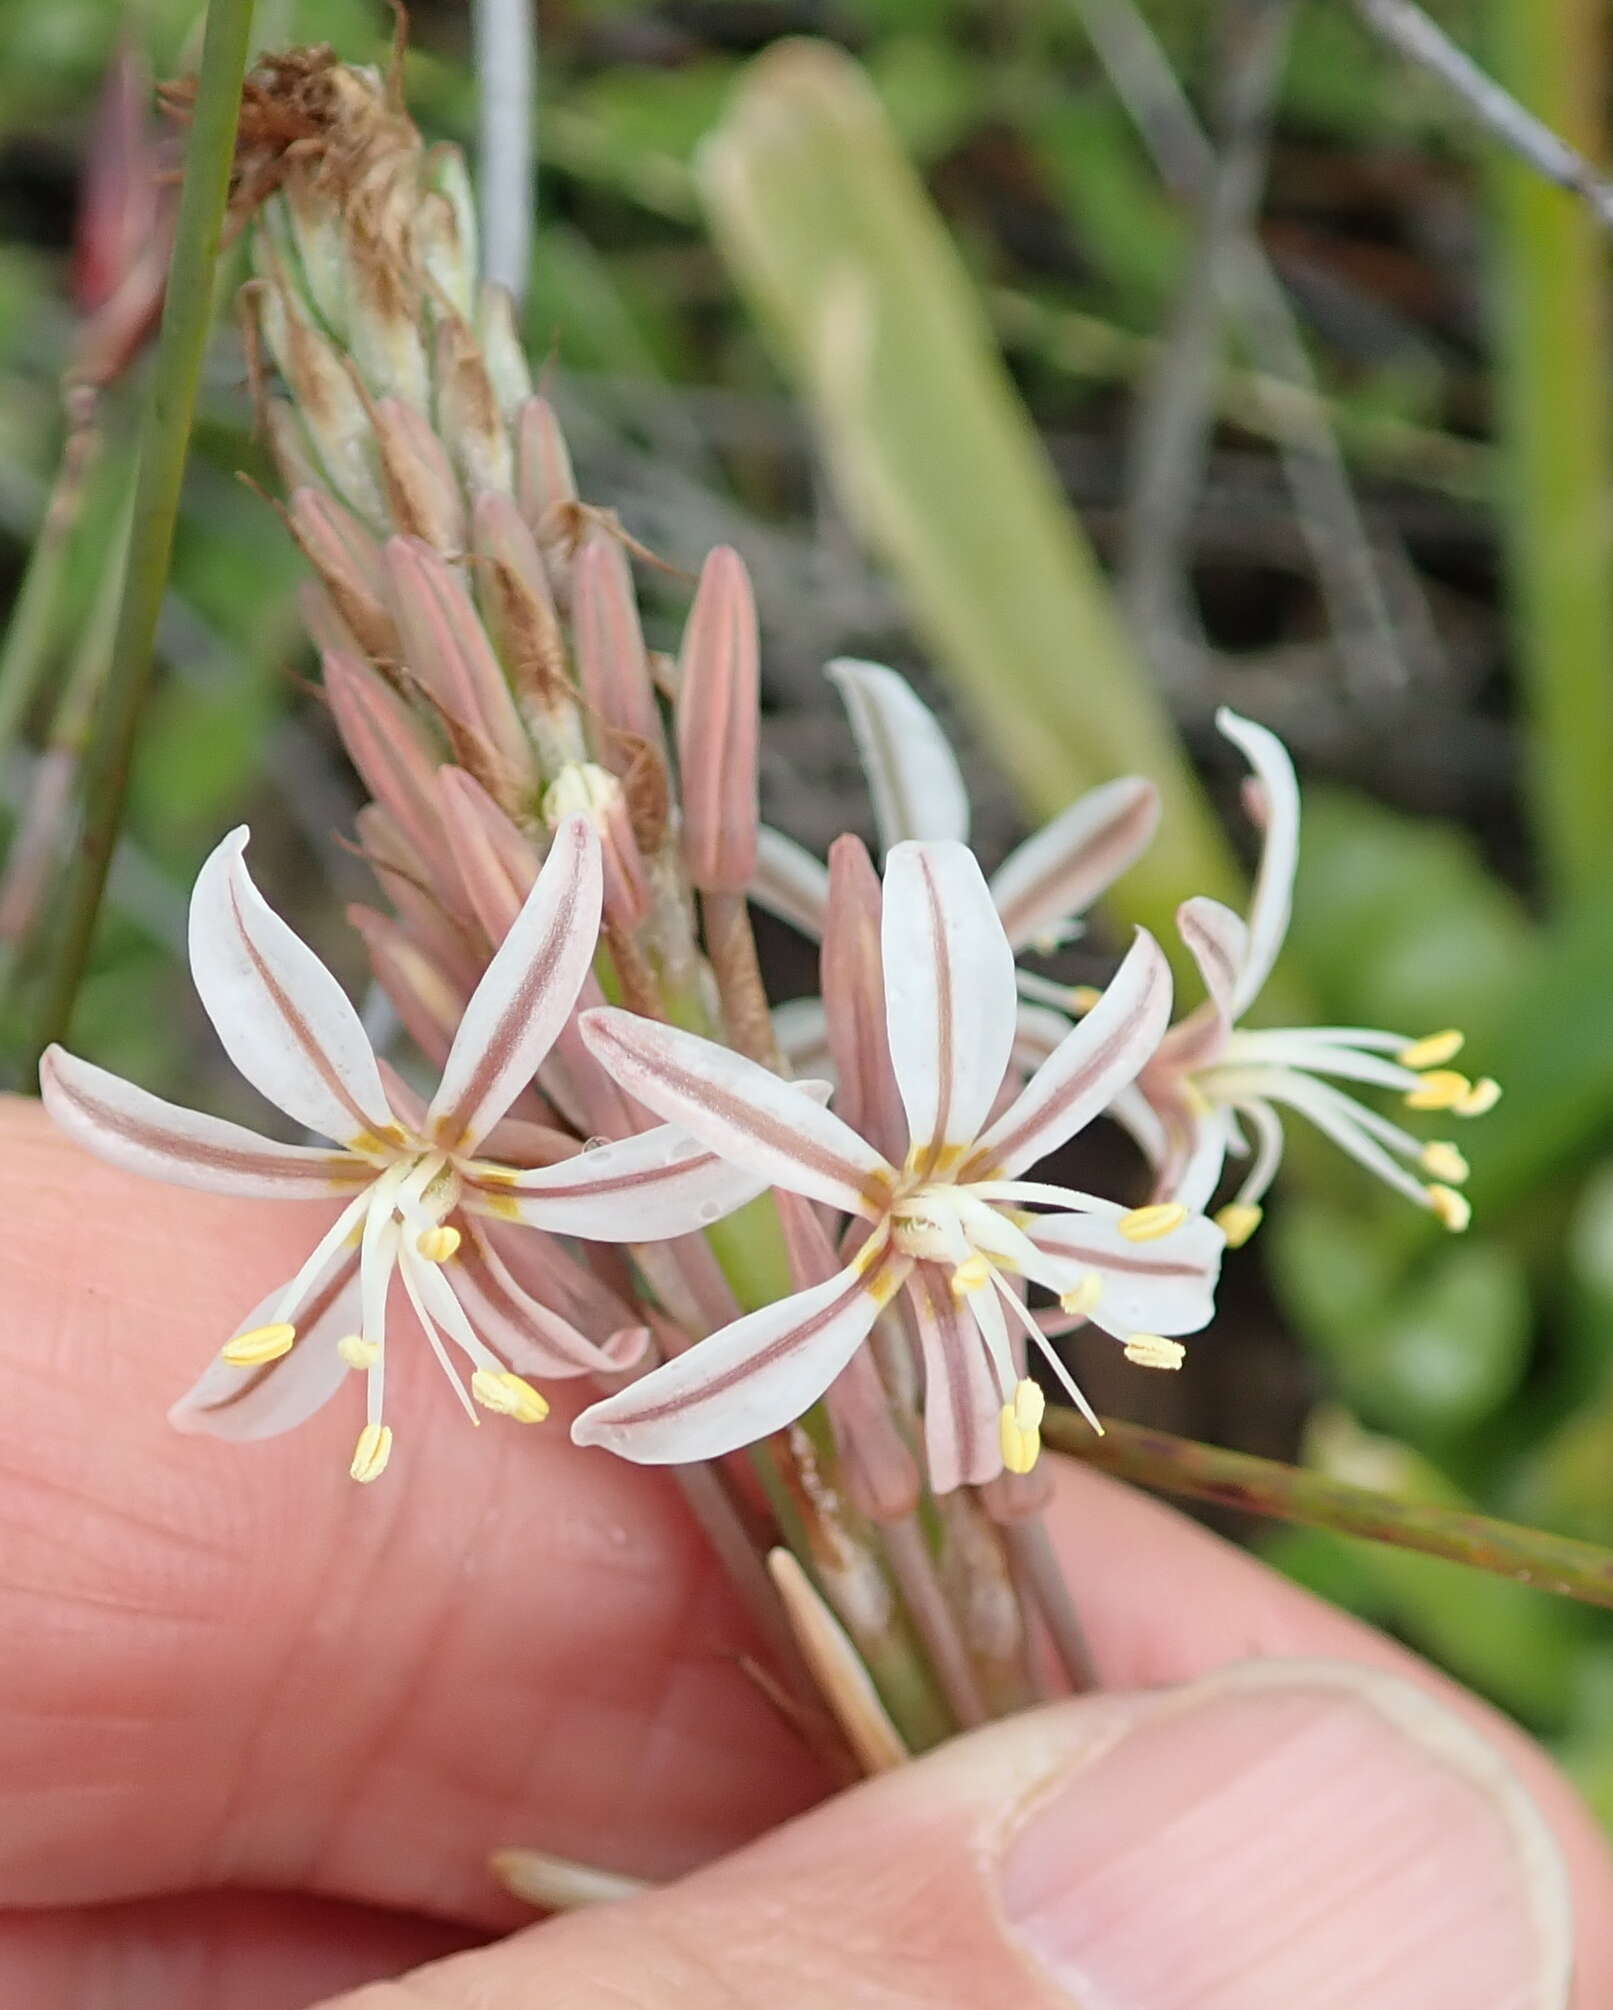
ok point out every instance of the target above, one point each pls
(1291, 1833)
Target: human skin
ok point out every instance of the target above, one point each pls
(260, 1728)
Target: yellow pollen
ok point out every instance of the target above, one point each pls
(1084, 996)
(1148, 1224)
(1444, 1161)
(1454, 1209)
(437, 1244)
(1238, 1220)
(358, 1352)
(1433, 1050)
(1020, 1447)
(509, 1394)
(1439, 1089)
(1480, 1099)
(1153, 1350)
(1029, 1406)
(973, 1274)
(1080, 1301)
(371, 1453)
(263, 1343)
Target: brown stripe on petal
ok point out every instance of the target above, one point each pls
(1048, 1109)
(952, 1336)
(1210, 952)
(877, 1281)
(945, 1027)
(1070, 881)
(313, 1310)
(622, 1182)
(339, 1169)
(294, 1020)
(1139, 1265)
(770, 1131)
(453, 1125)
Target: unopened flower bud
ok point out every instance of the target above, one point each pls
(390, 748)
(717, 721)
(853, 983)
(348, 560)
(468, 412)
(427, 1003)
(502, 347)
(517, 602)
(329, 402)
(495, 861)
(590, 789)
(545, 483)
(445, 228)
(422, 491)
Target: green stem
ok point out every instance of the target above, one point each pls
(1556, 419)
(165, 439)
(1532, 1556)
(31, 631)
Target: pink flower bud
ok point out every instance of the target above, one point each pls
(853, 985)
(545, 486)
(348, 560)
(517, 604)
(446, 650)
(717, 722)
(611, 662)
(408, 882)
(494, 860)
(428, 1003)
(421, 490)
(390, 748)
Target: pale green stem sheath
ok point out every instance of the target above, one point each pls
(181, 345)
(1556, 1563)
(1551, 303)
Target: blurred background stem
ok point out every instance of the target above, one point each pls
(1550, 291)
(165, 439)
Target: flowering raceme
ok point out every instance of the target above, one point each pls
(952, 1225)
(423, 1188)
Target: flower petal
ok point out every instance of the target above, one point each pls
(741, 1111)
(1218, 942)
(1094, 1061)
(912, 772)
(243, 1404)
(131, 1128)
(283, 1019)
(1166, 1286)
(951, 1005)
(1274, 882)
(532, 1337)
(789, 881)
(962, 1399)
(660, 1183)
(531, 985)
(752, 1377)
(1057, 873)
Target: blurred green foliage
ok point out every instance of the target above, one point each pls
(1477, 1372)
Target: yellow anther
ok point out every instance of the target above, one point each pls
(1030, 1405)
(1084, 996)
(1148, 1224)
(1445, 1162)
(1454, 1209)
(1238, 1220)
(437, 1244)
(973, 1274)
(371, 1453)
(509, 1394)
(1433, 1050)
(1153, 1350)
(1021, 1448)
(1080, 1302)
(1480, 1099)
(263, 1343)
(358, 1352)
(1439, 1089)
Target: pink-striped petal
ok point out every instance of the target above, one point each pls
(531, 1336)
(951, 1005)
(131, 1128)
(1273, 898)
(1056, 874)
(646, 1188)
(1218, 942)
(283, 1019)
(1083, 1074)
(531, 985)
(752, 1377)
(1166, 1286)
(962, 1399)
(912, 773)
(789, 881)
(243, 1404)
(744, 1114)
